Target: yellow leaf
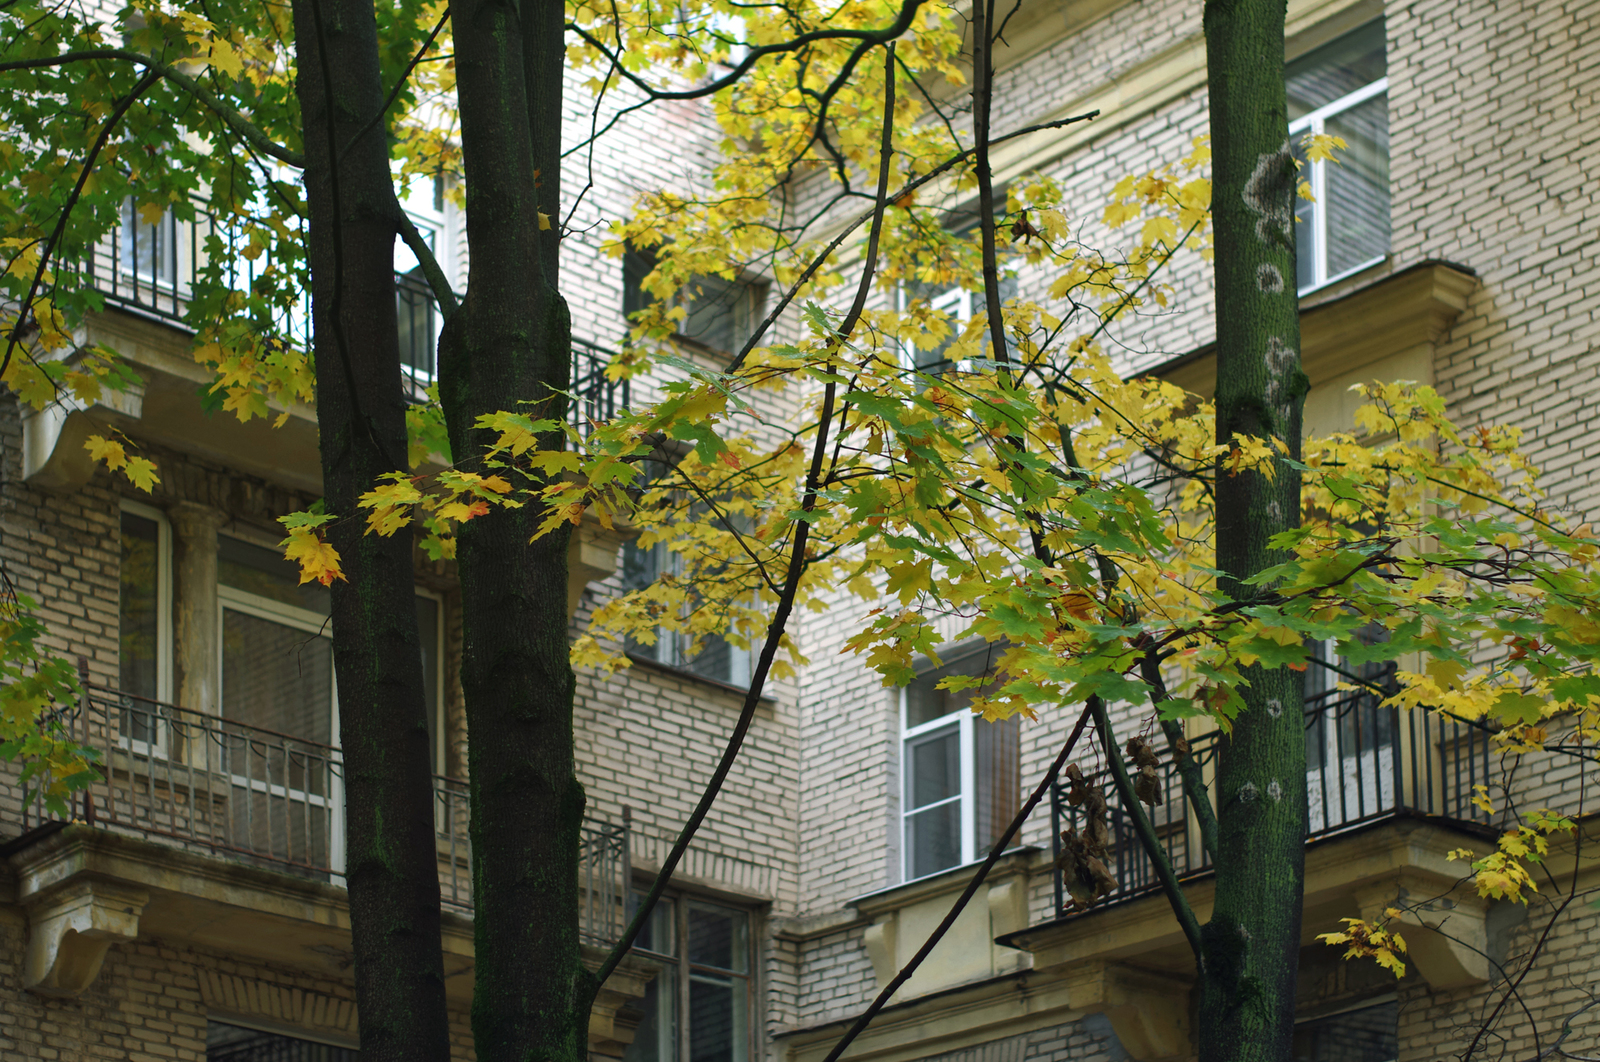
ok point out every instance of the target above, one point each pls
(108, 450)
(319, 561)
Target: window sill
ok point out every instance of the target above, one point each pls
(684, 673)
(1014, 860)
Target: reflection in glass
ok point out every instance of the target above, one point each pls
(1357, 188)
(139, 625)
(1370, 1034)
(1335, 70)
(137, 606)
(267, 573)
(149, 251)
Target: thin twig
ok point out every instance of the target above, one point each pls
(237, 121)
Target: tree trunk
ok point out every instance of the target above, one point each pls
(391, 863)
(509, 347)
(1252, 943)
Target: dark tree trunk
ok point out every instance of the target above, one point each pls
(1252, 943)
(507, 347)
(391, 868)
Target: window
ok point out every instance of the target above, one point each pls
(149, 250)
(144, 622)
(960, 775)
(277, 677)
(1369, 1033)
(1340, 89)
(697, 1007)
(959, 303)
(1350, 742)
(235, 1043)
(418, 316)
(718, 659)
(414, 305)
(719, 314)
(430, 632)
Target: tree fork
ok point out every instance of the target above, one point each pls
(1253, 940)
(391, 866)
(509, 347)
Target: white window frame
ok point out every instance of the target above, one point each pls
(957, 300)
(964, 721)
(229, 597)
(1313, 124)
(438, 680)
(164, 644)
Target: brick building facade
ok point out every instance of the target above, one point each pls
(196, 912)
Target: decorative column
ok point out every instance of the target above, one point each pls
(196, 617)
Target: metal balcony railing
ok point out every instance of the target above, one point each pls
(149, 268)
(1365, 764)
(220, 787)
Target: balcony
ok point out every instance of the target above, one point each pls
(1366, 764)
(206, 833)
(214, 786)
(145, 271)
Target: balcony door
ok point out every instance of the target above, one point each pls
(280, 711)
(1350, 746)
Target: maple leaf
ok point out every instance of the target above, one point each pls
(318, 560)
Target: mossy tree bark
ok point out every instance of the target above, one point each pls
(1253, 940)
(509, 348)
(391, 869)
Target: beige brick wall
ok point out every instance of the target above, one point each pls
(152, 999)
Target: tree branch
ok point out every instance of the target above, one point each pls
(26, 306)
(869, 38)
(791, 586)
(971, 890)
(236, 121)
(432, 272)
(1147, 835)
(1194, 780)
(844, 234)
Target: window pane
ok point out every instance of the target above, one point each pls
(1367, 1035)
(1335, 70)
(267, 573)
(933, 768)
(656, 1038)
(137, 615)
(721, 313)
(230, 1043)
(418, 327)
(149, 251)
(718, 1019)
(997, 764)
(933, 839)
(925, 702)
(718, 937)
(276, 677)
(1358, 186)
(657, 934)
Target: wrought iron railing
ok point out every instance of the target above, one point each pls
(1365, 763)
(218, 786)
(149, 268)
